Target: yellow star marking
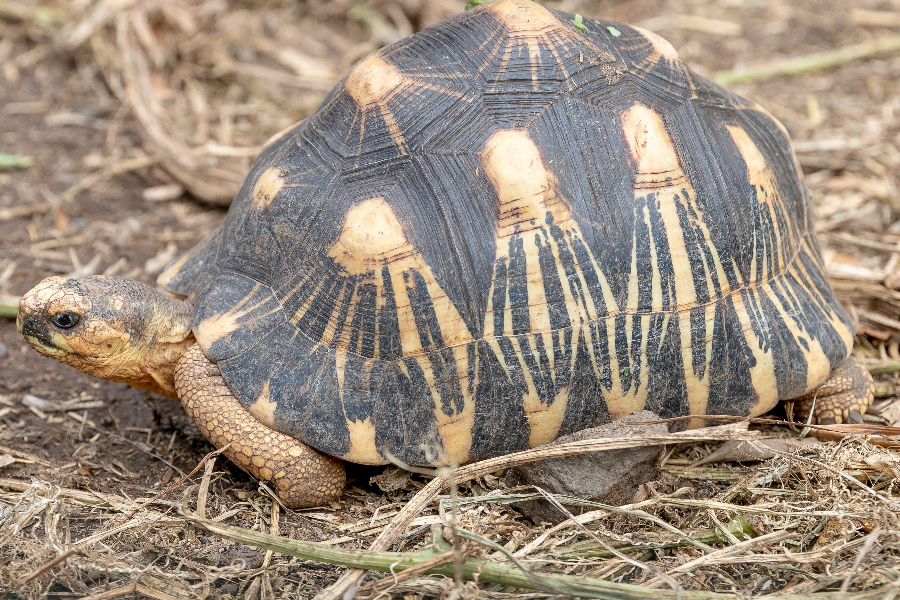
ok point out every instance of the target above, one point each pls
(375, 82)
(787, 244)
(372, 238)
(660, 51)
(267, 186)
(659, 172)
(528, 192)
(220, 325)
(263, 409)
(531, 25)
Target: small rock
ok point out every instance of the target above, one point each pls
(610, 477)
(3, 351)
(391, 479)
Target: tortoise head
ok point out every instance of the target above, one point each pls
(109, 327)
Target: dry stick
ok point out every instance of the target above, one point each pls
(870, 541)
(811, 62)
(384, 584)
(120, 591)
(204, 487)
(775, 536)
(427, 494)
(644, 567)
(81, 547)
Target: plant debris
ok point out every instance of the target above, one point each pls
(118, 114)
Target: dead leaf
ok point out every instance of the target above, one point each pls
(884, 463)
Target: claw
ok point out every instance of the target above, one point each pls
(855, 417)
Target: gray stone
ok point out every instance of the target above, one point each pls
(610, 477)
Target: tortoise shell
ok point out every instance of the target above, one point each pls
(508, 227)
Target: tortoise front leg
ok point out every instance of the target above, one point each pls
(843, 398)
(301, 476)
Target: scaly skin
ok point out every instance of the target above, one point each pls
(301, 476)
(843, 398)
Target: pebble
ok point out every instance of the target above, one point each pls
(610, 477)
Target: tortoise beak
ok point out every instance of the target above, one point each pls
(35, 330)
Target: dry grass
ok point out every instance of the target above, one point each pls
(199, 85)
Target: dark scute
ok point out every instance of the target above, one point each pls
(666, 384)
(405, 424)
(450, 208)
(389, 348)
(731, 389)
(501, 426)
(302, 379)
(361, 385)
(198, 268)
(259, 308)
(586, 406)
(583, 146)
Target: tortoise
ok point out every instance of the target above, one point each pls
(510, 226)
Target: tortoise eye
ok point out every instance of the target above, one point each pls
(65, 320)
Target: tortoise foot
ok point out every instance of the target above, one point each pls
(843, 398)
(300, 475)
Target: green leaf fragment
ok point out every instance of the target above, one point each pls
(15, 161)
(579, 23)
(613, 31)
(474, 3)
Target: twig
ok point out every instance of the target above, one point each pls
(386, 583)
(203, 492)
(52, 563)
(870, 541)
(811, 62)
(114, 593)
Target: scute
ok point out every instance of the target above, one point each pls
(506, 228)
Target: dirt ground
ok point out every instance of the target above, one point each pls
(57, 107)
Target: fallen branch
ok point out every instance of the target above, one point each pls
(811, 62)
(474, 569)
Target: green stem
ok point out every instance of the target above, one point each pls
(479, 570)
(590, 549)
(9, 310)
(14, 161)
(811, 62)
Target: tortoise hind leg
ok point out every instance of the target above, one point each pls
(301, 476)
(843, 398)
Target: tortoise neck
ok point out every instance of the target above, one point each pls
(167, 337)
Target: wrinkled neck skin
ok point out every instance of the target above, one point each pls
(148, 357)
(149, 362)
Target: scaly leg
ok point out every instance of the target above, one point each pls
(301, 476)
(843, 398)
